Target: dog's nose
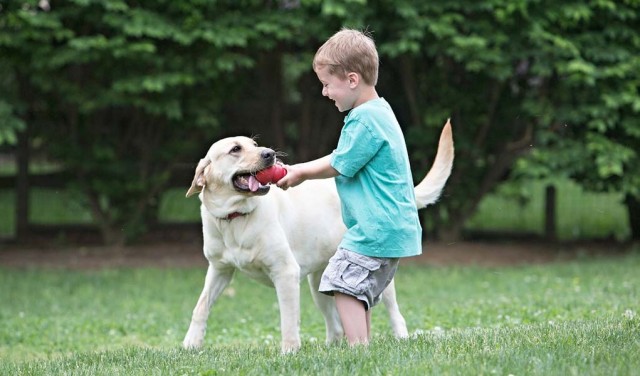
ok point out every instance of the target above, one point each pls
(267, 154)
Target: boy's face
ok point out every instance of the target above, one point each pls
(343, 91)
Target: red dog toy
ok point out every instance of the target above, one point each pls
(271, 174)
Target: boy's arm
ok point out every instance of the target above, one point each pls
(317, 169)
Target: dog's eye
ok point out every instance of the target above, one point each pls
(235, 149)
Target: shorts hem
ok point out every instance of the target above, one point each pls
(362, 298)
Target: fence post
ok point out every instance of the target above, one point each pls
(550, 213)
(22, 185)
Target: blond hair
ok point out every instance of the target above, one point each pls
(349, 51)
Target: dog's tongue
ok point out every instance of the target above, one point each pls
(253, 183)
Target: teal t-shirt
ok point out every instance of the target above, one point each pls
(375, 184)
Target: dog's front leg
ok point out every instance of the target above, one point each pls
(215, 282)
(287, 284)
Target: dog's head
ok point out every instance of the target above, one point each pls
(231, 164)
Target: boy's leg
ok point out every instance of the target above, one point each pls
(368, 314)
(355, 320)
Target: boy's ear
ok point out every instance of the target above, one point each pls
(354, 79)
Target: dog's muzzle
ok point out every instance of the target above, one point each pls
(246, 182)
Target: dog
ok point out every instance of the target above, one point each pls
(278, 237)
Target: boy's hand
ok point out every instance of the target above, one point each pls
(317, 169)
(292, 178)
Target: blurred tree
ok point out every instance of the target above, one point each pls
(589, 58)
(10, 121)
(133, 86)
(116, 91)
(558, 80)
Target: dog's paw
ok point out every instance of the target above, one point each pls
(290, 347)
(334, 334)
(400, 330)
(194, 338)
(190, 344)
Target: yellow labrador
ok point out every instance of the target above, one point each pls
(279, 237)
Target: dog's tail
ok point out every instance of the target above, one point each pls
(429, 189)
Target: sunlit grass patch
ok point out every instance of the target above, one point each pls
(578, 317)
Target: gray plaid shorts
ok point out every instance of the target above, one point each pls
(362, 277)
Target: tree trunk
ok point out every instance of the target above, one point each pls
(633, 211)
(271, 87)
(408, 76)
(550, 213)
(453, 232)
(23, 156)
(305, 126)
(276, 100)
(109, 232)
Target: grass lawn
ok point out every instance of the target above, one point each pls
(579, 318)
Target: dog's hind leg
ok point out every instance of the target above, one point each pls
(398, 324)
(326, 304)
(215, 282)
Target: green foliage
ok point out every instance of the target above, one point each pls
(131, 88)
(10, 124)
(136, 86)
(594, 96)
(10, 120)
(557, 81)
(577, 317)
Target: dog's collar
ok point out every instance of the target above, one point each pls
(234, 215)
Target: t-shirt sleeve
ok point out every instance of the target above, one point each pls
(356, 146)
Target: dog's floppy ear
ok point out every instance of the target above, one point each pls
(199, 180)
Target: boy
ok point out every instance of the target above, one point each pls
(371, 169)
